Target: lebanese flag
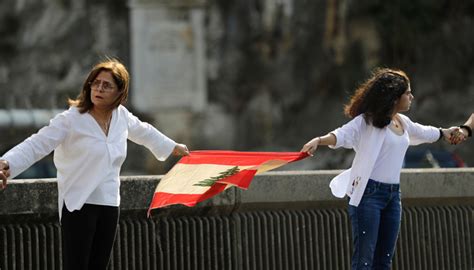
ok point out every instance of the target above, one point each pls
(203, 174)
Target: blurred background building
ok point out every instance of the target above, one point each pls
(251, 75)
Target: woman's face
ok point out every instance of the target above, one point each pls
(404, 102)
(104, 91)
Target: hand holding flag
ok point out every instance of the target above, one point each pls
(180, 150)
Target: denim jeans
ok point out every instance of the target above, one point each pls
(375, 226)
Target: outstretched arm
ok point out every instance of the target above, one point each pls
(145, 134)
(346, 136)
(470, 121)
(311, 146)
(466, 129)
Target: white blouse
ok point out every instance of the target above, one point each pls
(88, 162)
(367, 141)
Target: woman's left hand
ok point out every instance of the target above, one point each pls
(311, 146)
(180, 150)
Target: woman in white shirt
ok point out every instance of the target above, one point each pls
(90, 144)
(380, 136)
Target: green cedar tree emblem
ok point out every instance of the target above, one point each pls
(210, 181)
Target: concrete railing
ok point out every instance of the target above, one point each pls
(286, 220)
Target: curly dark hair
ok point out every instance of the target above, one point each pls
(376, 97)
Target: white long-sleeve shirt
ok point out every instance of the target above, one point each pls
(367, 140)
(88, 162)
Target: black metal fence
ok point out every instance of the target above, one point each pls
(432, 237)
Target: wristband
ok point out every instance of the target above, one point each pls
(468, 128)
(440, 134)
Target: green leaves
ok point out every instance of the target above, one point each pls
(211, 181)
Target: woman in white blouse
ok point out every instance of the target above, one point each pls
(90, 144)
(380, 136)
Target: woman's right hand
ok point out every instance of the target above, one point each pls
(4, 173)
(311, 146)
(180, 150)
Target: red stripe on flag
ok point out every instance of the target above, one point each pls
(162, 199)
(231, 158)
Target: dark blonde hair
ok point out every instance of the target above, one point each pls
(376, 97)
(121, 78)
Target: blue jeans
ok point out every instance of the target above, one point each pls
(375, 226)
